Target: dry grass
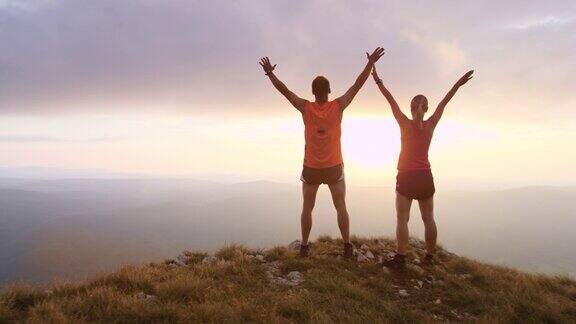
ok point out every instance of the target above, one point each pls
(334, 290)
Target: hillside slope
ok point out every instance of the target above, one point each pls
(238, 285)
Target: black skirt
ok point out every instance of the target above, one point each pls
(415, 184)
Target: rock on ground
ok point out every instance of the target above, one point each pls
(144, 296)
(369, 254)
(416, 243)
(210, 259)
(362, 258)
(295, 245)
(418, 284)
(182, 259)
(295, 276)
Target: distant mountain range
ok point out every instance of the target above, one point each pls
(35, 173)
(73, 228)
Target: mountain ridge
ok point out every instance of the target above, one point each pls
(238, 284)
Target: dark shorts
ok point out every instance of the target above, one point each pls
(416, 184)
(326, 175)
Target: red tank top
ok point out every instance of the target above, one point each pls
(322, 132)
(415, 145)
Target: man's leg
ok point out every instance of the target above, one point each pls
(403, 205)
(430, 232)
(338, 191)
(309, 194)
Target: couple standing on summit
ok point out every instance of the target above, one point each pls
(323, 163)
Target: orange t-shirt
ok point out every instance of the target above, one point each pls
(322, 132)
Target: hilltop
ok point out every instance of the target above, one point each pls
(238, 284)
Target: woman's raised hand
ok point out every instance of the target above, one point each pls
(465, 78)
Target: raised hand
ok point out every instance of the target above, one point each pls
(266, 65)
(435, 118)
(376, 55)
(347, 98)
(375, 74)
(465, 78)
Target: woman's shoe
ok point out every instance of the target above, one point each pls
(304, 250)
(429, 260)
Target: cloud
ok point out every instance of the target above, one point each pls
(68, 56)
(450, 55)
(541, 22)
(77, 55)
(26, 5)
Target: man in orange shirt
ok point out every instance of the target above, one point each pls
(322, 154)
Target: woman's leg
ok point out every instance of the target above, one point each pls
(430, 231)
(402, 216)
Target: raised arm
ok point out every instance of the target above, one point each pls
(346, 99)
(398, 114)
(296, 101)
(435, 118)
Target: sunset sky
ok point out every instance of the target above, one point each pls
(174, 87)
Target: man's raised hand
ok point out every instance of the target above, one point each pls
(265, 64)
(465, 78)
(376, 55)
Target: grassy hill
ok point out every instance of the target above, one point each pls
(241, 285)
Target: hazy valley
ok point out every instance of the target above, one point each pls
(72, 228)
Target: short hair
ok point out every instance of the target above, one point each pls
(320, 86)
(417, 100)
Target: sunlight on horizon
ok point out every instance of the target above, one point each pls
(271, 148)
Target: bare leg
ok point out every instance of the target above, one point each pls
(338, 191)
(430, 232)
(403, 205)
(309, 194)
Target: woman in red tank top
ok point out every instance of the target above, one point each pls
(414, 179)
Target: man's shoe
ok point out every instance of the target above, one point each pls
(397, 262)
(348, 250)
(304, 250)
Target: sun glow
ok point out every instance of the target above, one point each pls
(272, 148)
(370, 141)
